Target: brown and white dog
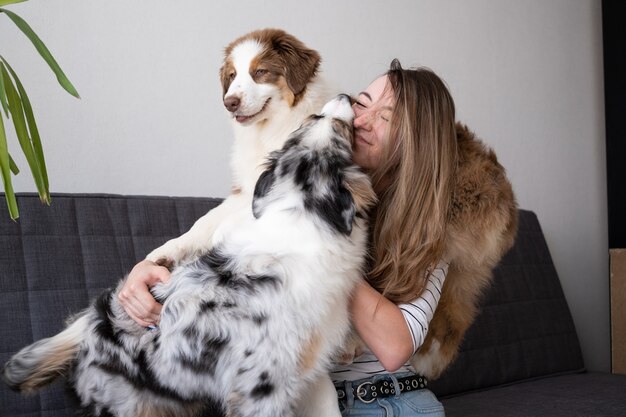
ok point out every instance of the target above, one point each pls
(270, 84)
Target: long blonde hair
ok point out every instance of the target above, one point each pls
(409, 223)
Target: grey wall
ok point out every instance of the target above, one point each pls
(526, 76)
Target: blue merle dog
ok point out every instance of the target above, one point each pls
(253, 323)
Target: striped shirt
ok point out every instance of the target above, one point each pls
(417, 315)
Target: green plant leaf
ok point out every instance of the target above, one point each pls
(17, 114)
(34, 133)
(5, 171)
(14, 169)
(43, 51)
(5, 2)
(3, 96)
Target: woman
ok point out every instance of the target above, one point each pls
(405, 139)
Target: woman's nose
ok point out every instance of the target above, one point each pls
(362, 120)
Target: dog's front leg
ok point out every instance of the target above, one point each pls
(320, 399)
(198, 239)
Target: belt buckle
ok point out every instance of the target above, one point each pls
(360, 391)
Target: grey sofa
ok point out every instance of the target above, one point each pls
(520, 358)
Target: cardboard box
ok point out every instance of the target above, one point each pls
(618, 310)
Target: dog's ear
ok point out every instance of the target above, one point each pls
(338, 210)
(263, 186)
(360, 187)
(227, 74)
(301, 63)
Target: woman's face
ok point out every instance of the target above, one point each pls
(372, 112)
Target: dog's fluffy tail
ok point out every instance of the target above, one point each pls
(39, 364)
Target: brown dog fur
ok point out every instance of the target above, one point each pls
(482, 228)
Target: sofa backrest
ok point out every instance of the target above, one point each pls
(524, 330)
(53, 260)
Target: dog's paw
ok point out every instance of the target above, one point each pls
(353, 348)
(168, 255)
(166, 262)
(344, 358)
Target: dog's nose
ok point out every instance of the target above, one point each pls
(345, 97)
(232, 103)
(339, 108)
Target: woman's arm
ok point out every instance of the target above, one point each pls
(382, 326)
(394, 332)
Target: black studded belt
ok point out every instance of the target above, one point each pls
(369, 391)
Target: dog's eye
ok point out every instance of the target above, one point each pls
(261, 71)
(231, 76)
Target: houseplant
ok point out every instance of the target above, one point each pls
(16, 106)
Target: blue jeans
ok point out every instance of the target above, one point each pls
(413, 403)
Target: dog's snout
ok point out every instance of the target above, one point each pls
(340, 108)
(344, 97)
(232, 103)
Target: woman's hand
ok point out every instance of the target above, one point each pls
(135, 295)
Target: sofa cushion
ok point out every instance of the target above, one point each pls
(585, 394)
(524, 329)
(53, 260)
